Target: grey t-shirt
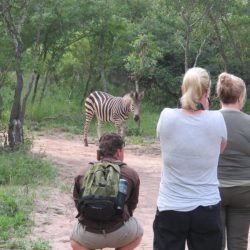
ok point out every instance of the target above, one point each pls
(190, 146)
(234, 163)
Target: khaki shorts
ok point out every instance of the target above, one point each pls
(130, 231)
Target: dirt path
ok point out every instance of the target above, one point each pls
(55, 211)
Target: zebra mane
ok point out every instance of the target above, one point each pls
(127, 98)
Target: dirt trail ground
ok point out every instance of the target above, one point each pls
(55, 211)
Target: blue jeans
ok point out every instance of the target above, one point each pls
(201, 228)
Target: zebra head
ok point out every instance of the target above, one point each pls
(135, 104)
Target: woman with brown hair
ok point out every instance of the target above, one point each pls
(234, 163)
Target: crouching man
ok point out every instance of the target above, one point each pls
(121, 231)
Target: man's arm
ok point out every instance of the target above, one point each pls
(134, 198)
(77, 189)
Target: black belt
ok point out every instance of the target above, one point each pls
(104, 230)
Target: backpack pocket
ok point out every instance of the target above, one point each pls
(97, 208)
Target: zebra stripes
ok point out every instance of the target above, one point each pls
(108, 108)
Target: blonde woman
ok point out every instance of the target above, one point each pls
(234, 163)
(191, 138)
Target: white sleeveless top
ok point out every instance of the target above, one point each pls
(190, 146)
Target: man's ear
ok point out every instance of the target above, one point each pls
(118, 153)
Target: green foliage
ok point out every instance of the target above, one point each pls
(61, 110)
(143, 59)
(20, 171)
(21, 168)
(15, 206)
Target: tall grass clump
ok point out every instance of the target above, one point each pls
(57, 111)
(15, 207)
(23, 168)
(20, 174)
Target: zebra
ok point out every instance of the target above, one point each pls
(108, 108)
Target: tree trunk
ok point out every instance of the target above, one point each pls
(15, 128)
(35, 89)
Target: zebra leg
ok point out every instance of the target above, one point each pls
(85, 133)
(99, 128)
(86, 129)
(120, 128)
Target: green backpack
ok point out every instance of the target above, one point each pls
(99, 192)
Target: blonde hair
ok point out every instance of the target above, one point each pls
(195, 83)
(230, 87)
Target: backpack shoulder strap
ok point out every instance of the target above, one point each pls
(115, 166)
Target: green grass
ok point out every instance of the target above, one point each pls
(29, 245)
(20, 174)
(55, 112)
(15, 207)
(23, 168)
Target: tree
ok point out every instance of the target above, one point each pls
(15, 129)
(142, 61)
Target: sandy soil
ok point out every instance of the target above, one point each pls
(55, 212)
